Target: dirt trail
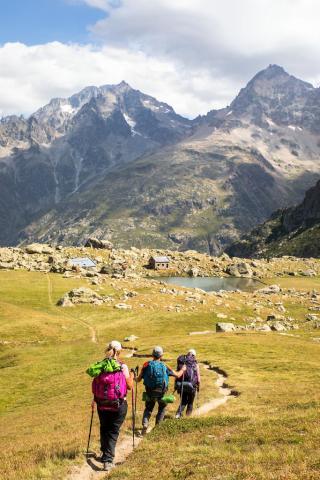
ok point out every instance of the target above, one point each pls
(224, 391)
(93, 333)
(92, 470)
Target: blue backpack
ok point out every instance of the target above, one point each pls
(155, 378)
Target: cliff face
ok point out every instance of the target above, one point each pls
(293, 231)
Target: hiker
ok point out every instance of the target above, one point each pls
(110, 389)
(155, 375)
(190, 383)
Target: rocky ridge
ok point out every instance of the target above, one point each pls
(292, 231)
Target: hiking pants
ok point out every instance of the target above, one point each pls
(149, 408)
(110, 424)
(187, 401)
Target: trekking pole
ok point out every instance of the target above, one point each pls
(136, 390)
(133, 405)
(136, 395)
(90, 428)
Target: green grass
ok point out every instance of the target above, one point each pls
(269, 432)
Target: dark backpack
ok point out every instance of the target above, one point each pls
(155, 378)
(191, 374)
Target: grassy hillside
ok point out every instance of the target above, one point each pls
(269, 432)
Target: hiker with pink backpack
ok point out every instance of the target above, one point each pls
(111, 382)
(189, 384)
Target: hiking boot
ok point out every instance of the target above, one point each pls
(107, 466)
(144, 431)
(104, 458)
(178, 415)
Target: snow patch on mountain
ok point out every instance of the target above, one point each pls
(67, 108)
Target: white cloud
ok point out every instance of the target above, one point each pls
(234, 37)
(193, 54)
(32, 75)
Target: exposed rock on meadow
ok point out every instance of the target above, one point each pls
(81, 295)
(225, 327)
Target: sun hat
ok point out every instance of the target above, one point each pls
(157, 352)
(114, 345)
(192, 352)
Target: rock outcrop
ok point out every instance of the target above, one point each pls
(96, 243)
(293, 231)
(81, 295)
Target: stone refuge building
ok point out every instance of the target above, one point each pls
(159, 263)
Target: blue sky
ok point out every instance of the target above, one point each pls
(41, 21)
(193, 54)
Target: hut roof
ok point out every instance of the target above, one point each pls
(82, 262)
(161, 259)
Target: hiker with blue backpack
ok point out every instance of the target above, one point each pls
(189, 384)
(111, 382)
(155, 375)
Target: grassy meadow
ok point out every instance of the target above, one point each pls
(270, 432)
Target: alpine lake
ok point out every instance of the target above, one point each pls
(214, 284)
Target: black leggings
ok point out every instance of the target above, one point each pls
(187, 401)
(110, 424)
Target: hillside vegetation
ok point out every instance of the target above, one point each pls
(269, 432)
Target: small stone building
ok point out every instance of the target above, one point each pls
(159, 263)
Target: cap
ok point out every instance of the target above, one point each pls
(115, 345)
(192, 352)
(157, 351)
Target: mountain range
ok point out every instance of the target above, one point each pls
(117, 164)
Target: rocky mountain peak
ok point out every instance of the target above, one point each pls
(276, 95)
(272, 71)
(124, 84)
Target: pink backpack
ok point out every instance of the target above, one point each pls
(109, 388)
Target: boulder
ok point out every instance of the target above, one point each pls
(95, 243)
(225, 327)
(263, 328)
(6, 266)
(312, 317)
(65, 302)
(278, 327)
(244, 269)
(239, 269)
(81, 295)
(270, 289)
(38, 248)
(91, 273)
(308, 273)
(193, 272)
(232, 270)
